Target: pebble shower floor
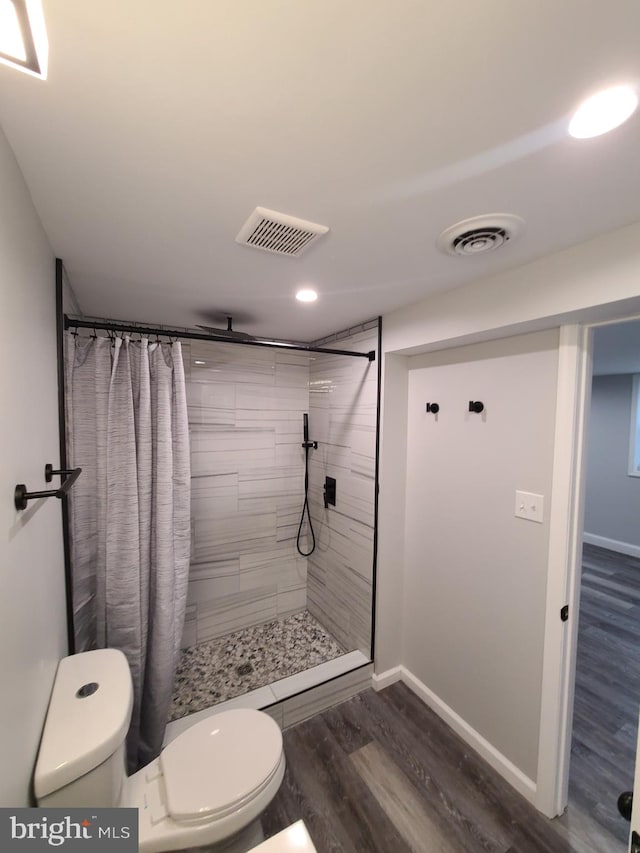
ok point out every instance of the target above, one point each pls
(229, 666)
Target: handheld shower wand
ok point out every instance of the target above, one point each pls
(308, 445)
(305, 433)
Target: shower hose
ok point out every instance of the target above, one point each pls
(305, 507)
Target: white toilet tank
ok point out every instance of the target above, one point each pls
(81, 761)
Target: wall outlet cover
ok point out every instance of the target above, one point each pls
(530, 506)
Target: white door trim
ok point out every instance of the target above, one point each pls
(563, 571)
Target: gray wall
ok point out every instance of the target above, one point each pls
(612, 502)
(32, 605)
(475, 579)
(342, 416)
(593, 281)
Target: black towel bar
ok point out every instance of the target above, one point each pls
(21, 496)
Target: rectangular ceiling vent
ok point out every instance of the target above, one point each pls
(279, 233)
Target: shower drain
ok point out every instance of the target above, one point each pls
(244, 669)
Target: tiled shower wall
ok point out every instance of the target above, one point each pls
(245, 415)
(247, 466)
(342, 418)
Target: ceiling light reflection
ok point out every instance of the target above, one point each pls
(603, 112)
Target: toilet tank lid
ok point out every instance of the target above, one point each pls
(87, 720)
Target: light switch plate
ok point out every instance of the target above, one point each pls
(530, 506)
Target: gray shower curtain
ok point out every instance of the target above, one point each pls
(130, 515)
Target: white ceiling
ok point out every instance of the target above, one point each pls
(163, 124)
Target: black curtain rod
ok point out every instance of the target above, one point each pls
(198, 336)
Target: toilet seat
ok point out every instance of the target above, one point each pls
(218, 765)
(180, 805)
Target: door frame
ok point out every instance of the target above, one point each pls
(566, 523)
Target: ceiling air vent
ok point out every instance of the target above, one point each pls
(480, 234)
(279, 233)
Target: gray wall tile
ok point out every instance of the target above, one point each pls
(343, 397)
(245, 415)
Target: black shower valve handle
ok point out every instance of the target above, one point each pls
(329, 492)
(476, 406)
(433, 408)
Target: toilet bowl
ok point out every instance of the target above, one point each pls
(209, 784)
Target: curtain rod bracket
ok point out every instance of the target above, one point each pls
(21, 496)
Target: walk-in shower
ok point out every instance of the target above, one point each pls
(280, 583)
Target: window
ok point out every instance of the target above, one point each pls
(634, 432)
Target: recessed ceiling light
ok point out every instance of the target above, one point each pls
(603, 112)
(11, 42)
(306, 295)
(198, 361)
(23, 36)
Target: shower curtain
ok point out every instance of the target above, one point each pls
(130, 515)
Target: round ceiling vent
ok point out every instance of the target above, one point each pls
(480, 234)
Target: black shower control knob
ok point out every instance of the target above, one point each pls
(476, 406)
(433, 408)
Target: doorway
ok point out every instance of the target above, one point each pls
(607, 671)
(565, 567)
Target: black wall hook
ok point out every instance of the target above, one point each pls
(476, 406)
(433, 408)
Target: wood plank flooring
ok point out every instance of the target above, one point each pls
(607, 694)
(382, 772)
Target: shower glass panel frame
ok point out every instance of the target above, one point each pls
(247, 419)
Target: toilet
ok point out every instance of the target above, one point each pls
(207, 787)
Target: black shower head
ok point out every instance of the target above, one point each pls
(229, 332)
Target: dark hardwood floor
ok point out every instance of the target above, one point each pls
(382, 772)
(607, 695)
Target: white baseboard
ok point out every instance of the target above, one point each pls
(384, 679)
(612, 544)
(499, 762)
